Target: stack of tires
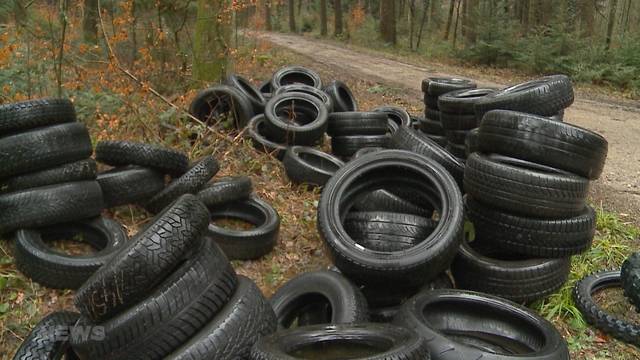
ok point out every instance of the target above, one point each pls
(352, 131)
(526, 196)
(433, 88)
(169, 292)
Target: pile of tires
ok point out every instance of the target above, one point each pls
(168, 293)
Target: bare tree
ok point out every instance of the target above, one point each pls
(292, 16)
(267, 15)
(611, 22)
(337, 8)
(424, 19)
(388, 21)
(323, 17)
(447, 27)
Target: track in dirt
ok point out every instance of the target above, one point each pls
(617, 190)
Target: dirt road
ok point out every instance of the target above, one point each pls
(619, 121)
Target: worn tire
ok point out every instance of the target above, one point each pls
(457, 137)
(630, 279)
(524, 188)
(75, 171)
(282, 128)
(396, 114)
(226, 190)
(246, 244)
(290, 75)
(170, 238)
(387, 231)
(123, 153)
(472, 142)
(357, 123)
(220, 99)
(432, 114)
(247, 89)
(305, 165)
(437, 86)
(48, 205)
(343, 99)
(257, 131)
(309, 90)
(31, 114)
(462, 101)
(346, 146)
(41, 343)
(458, 121)
(129, 185)
(384, 200)
(458, 151)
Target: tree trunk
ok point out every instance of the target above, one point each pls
(388, 21)
(526, 6)
(472, 15)
(292, 16)
(611, 21)
(412, 12)
(455, 25)
(211, 40)
(323, 17)
(337, 8)
(447, 27)
(424, 18)
(434, 14)
(267, 15)
(465, 18)
(587, 16)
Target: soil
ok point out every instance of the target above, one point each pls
(617, 190)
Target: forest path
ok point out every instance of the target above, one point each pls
(618, 120)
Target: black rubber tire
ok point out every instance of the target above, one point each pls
(226, 190)
(544, 141)
(123, 153)
(415, 141)
(222, 99)
(462, 101)
(75, 171)
(555, 238)
(439, 139)
(417, 264)
(432, 114)
(480, 267)
(467, 325)
(437, 86)
(249, 90)
(245, 319)
(388, 231)
(305, 165)
(246, 244)
(290, 75)
(545, 96)
(458, 121)
(366, 150)
(152, 254)
(177, 308)
(458, 151)
(335, 299)
(381, 341)
(265, 88)
(357, 123)
(190, 183)
(596, 316)
(630, 279)
(384, 200)
(129, 185)
(396, 114)
(524, 188)
(31, 114)
(457, 137)
(472, 142)
(343, 99)
(257, 131)
(54, 269)
(41, 344)
(346, 146)
(43, 148)
(48, 205)
(415, 121)
(310, 90)
(313, 112)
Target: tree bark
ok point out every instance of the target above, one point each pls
(447, 27)
(611, 22)
(337, 8)
(455, 25)
(323, 17)
(424, 18)
(412, 11)
(211, 40)
(434, 14)
(292, 15)
(388, 21)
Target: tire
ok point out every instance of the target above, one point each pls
(545, 96)
(247, 89)
(462, 101)
(459, 151)
(432, 114)
(31, 114)
(479, 267)
(129, 185)
(265, 88)
(226, 190)
(387, 231)
(176, 309)
(415, 141)
(457, 137)
(75, 171)
(245, 319)
(210, 103)
(458, 121)
(246, 244)
(346, 146)
(334, 297)
(441, 85)
(431, 102)
(524, 188)
(557, 117)
(256, 130)
(415, 122)
(343, 99)
(46, 266)
(48, 205)
(384, 200)
(419, 263)
(556, 238)
(377, 341)
(472, 142)
(438, 139)
(394, 295)
(41, 342)
(367, 150)
(595, 315)
(357, 123)
(305, 165)
(307, 131)
(396, 114)
(190, 183)
(290, 75)
(630, 279)
(467, 325)
(538, 139)
(123, 153)
(152, 254)
(43, 148)
(309, 90)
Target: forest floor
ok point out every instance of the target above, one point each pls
(376, 80)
